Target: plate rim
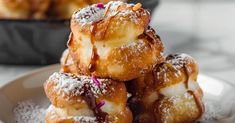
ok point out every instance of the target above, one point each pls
(29, 73)
(54, 66)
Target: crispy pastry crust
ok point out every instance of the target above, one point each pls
(120, 45)
(77, 96)
(170, 93)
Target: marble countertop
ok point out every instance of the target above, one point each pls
(205, 30)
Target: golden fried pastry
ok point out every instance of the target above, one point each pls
(39, 8)
(16, 9)
(67, 64)
(168, 94)
(75, 98)
(114, 41)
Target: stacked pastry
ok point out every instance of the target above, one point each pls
(114, 71)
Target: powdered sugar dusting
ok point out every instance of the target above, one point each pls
(175, 61)
(214, 113)
(89, 14)
(93, 13)
(29, 112)
(69, 84)
(132, 15)
(114, 5)
(84, 119)
(179, 60)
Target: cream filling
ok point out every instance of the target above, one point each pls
(179, 89)
(77, 118)
(72, 111)
(111, 108)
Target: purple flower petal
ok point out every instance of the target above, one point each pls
(96, 81)
(100, 5)
(99, 105)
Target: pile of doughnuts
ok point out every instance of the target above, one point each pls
(114, 71)
(42, 9)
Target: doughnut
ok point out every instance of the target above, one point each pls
(114, 41)
(67, 64)
(168, 94)
(80, 97)
(14, 9)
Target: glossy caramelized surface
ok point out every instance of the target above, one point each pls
(74, 97)
(170, 93)
(114, 41)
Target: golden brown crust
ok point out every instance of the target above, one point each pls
(81, 96)
(119, 55)
(52, 116)
(67, 64)
(180, 109)
(170, 93)
(62, 96)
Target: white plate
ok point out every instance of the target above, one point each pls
(219, 96)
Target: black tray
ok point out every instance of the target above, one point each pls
(32, 41)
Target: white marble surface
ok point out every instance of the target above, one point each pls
(205, 30)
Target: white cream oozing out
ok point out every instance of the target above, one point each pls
(111, 107)
(83, 115)
(179, 89)
(69, 111)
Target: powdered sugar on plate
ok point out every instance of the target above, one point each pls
(29, 112)
(215, 113)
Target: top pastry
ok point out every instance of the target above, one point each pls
(114, 41)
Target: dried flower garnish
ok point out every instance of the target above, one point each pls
(96, 81)
(100, 5)
(99, 105)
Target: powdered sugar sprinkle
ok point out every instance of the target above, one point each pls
(68, 84)
(29, 112)
(98, 12)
